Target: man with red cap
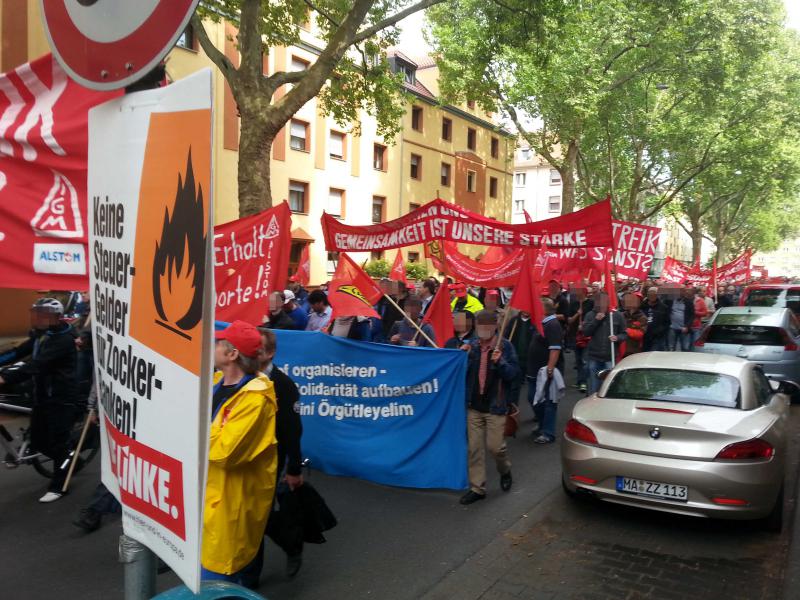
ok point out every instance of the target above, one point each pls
(463, 300)
(242, 456)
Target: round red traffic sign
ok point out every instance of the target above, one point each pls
(109, 44)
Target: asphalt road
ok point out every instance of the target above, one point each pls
(390, 543)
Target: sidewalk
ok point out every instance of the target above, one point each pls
(588, 550)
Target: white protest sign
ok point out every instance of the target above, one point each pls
(152, 286)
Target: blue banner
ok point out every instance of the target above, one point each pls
(389, 414)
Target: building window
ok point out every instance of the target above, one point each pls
(555, 204)
(187, 38)
(378, 208)
(555, 177)
(519, 205)
(336, 202)
(333, 258)
(416, 118)
(408, 73)
(336, 145)
(493, 187)
(416, 166)
(495, 147)
(379, 157)
(445, 174)
(298, 192)
(413, 257)
(519, 179)
(376, 255)
(298, 64)
(412, 206)
(525, 153)
(472, 136)
(471, 181)
(471, 104)
(447, 129)
(298, 135)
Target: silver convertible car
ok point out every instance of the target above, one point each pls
(694, 434)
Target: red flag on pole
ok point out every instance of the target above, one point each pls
(398, 272)
(440, 315)
(352, 292)
(527, 291)
(527, 216)
(303, 273)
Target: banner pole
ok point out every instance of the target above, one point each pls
(502, 328)
(513, 329)
(407, 318)
(77, 451)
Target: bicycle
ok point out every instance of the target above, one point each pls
(18, 449)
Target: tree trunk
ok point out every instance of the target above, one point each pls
(567, 171)
(255, 148)
(697, 242)
(722, 252)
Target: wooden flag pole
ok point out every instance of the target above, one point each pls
(502, 328)
(407, 318)
(77, 451)
(513, 329)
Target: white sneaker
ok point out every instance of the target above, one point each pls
(50, 497)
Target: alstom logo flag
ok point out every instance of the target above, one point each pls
(43, 145)
(352, 292)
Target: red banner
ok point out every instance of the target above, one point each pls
(251, 260)
(635, 244)
(736, 271)
(43, 145)
(440, 220)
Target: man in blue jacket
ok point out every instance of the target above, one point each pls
(491, 371)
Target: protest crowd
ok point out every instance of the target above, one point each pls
(255, 484)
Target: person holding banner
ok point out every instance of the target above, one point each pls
(403, 333)
(242, 456)
(598, 326)
(491, 369)
(320, 313)
(278, 319)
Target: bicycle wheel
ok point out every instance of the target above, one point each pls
(91, 445)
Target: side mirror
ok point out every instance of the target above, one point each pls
(601, 375)
(790, 388)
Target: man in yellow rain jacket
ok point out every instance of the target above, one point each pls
(242, 455)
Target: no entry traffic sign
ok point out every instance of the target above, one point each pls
(109, 44)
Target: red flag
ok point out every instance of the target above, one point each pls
(611, 290)
(527, 216)
(527, 291)
(440, 315)
(352, 292)
(303, 273)
(398, 272)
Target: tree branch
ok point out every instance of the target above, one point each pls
(222, 62)
(324, 13)
(395, 18)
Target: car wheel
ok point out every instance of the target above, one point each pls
(773, 522)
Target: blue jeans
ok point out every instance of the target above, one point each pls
(595, 366)
(679, 341)
(545, 412)
(581, 366)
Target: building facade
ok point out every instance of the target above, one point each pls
(536, 188)
(782, 262)
(456, 153)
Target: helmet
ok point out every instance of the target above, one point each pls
(48, 305)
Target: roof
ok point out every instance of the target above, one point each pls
(419, 89)
(683, 361)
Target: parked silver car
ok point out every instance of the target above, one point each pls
(768, 336)
(693, 434)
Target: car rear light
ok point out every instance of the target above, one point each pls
(701, 341)
(580, 433)
(788, 341)
(730, 501)
(749, 450)
(582, 479)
